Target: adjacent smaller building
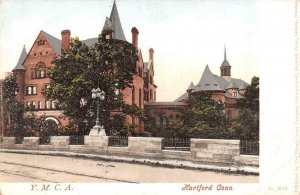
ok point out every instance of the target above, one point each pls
(224, 88)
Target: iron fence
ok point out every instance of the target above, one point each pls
(76, 140)
(118, 141)
(249, 147)
(19, 140)
(45, 140)
(176, 143)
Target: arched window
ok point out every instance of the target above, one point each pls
(39, 71)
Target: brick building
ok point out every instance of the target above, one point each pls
(32, 67)
(31, 72)
(224, 88)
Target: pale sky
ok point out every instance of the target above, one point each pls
(260, 37)
(185, 35)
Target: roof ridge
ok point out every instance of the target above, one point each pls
(54, 42)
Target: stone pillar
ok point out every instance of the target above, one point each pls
(96, 143)
(8, 142)
(31, 143)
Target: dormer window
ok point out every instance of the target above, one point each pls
(234, 93)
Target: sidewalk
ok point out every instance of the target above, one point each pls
(155, 162)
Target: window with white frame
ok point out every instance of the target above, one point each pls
(53, 105)
(31, 90)
(234, 93)
(47, 104)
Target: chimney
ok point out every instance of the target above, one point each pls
(151, 51)
(135, 35)
(65, 39)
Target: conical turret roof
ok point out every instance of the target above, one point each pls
(113, 23)
(22, 57)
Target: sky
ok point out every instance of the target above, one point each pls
(185, 35)
(260, 38)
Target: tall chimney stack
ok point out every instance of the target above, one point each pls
(65, 39)
(135, 36)
(151, 51)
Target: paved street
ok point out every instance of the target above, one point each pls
(42, 168)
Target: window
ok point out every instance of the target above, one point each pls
(53, 105)
(151, 80)
(47, 103)
(140, 98)
(41, 42)
(234, 94)
(31, 90)
(34, 54)
(154, 96)
(33, 104)
(42, 73)
(133, 94)
(39, 71)
(39, 105)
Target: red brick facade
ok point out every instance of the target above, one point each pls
(32, 79)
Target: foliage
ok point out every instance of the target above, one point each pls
(22, 121)
(107, 65)
(203, 117)
(247, 124)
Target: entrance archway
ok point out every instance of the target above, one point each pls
(49, 126)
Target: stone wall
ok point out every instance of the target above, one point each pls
(145, 146)
(215, 150)
(202, 151)
(60, 142)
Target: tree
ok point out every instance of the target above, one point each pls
(247, 124)
(203, 117)
(21, 120)
(107, 65)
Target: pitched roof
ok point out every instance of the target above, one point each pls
(22, 57)
(232, 85)
(54, 42)
(91, 41)
(182, 97)
(165, 104)
(113, 23)
(209, 82)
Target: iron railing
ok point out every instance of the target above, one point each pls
(45, 140)
(76, 140)
(249, 147)
(19, 140)
(176, 143)
(118, 141)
